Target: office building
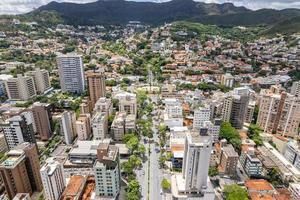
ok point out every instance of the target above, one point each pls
(107, 171)
(100, 126)
(54, 182)
(295, 90)
(227, 80)
(18, 171)
(18, 129)
(83, 127)
(41, 80)
(127, 102)
(96, 85)
(67, 124)
(228, 160)
(201, 115)
(20, 88)
(279, 112)
(42, 119)
(71, 73)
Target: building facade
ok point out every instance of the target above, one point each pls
(100, 126)
(67, 124)
(41, 80)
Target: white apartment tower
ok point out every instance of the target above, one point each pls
(41, 80)
(173, 108)
(107, 171)
(67, 124)
(71, 73)
(53, 179)
(100, 126)
(201, 115)
(196, 159)
(20, 88)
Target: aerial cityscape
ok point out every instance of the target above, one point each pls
(149, 100)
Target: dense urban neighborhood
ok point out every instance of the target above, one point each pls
(180, 110)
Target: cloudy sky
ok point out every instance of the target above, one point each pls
(23, 6)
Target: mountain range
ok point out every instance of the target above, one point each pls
(121, 12)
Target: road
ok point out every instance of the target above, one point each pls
(150, 168)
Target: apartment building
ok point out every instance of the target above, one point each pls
(127, 102)
(19, 171)
(228, 160)
(20, 88)
(96, 85)
(104, 105)
(54, 182)
(41, 80)
(107, 171)
(100, 126)
(18, 129)
(227, 80)
(118, 126)
(83, 127)
(67, 124)
(279, 112)
(201, 115)
(251, 164)
(42, 119)
(295, 90)
(71, 73)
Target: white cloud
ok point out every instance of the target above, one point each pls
(23, 6)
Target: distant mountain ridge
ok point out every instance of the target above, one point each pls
(120, 12)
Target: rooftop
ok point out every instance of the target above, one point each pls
(74, 188)
(258, 185)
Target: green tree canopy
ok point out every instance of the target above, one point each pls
(235, 192)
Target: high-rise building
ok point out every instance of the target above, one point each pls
(295, 90)
(19, 171)
(196, 158)
(71, 73)
(251, 164)
(201, 115)
(294, 188)
(234, 109)
(279, 112)
(173, 108)
(32, 164)
(100, 126)
(42, 119)
(127, 102)
(54, 182)
(18, 129)
(67, 124)
(41, 80)
(107, 171)
(14, 174)
(228, 160)
(83, 127)
(20, 88)
(96, 85)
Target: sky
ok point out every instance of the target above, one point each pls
(23, 6)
